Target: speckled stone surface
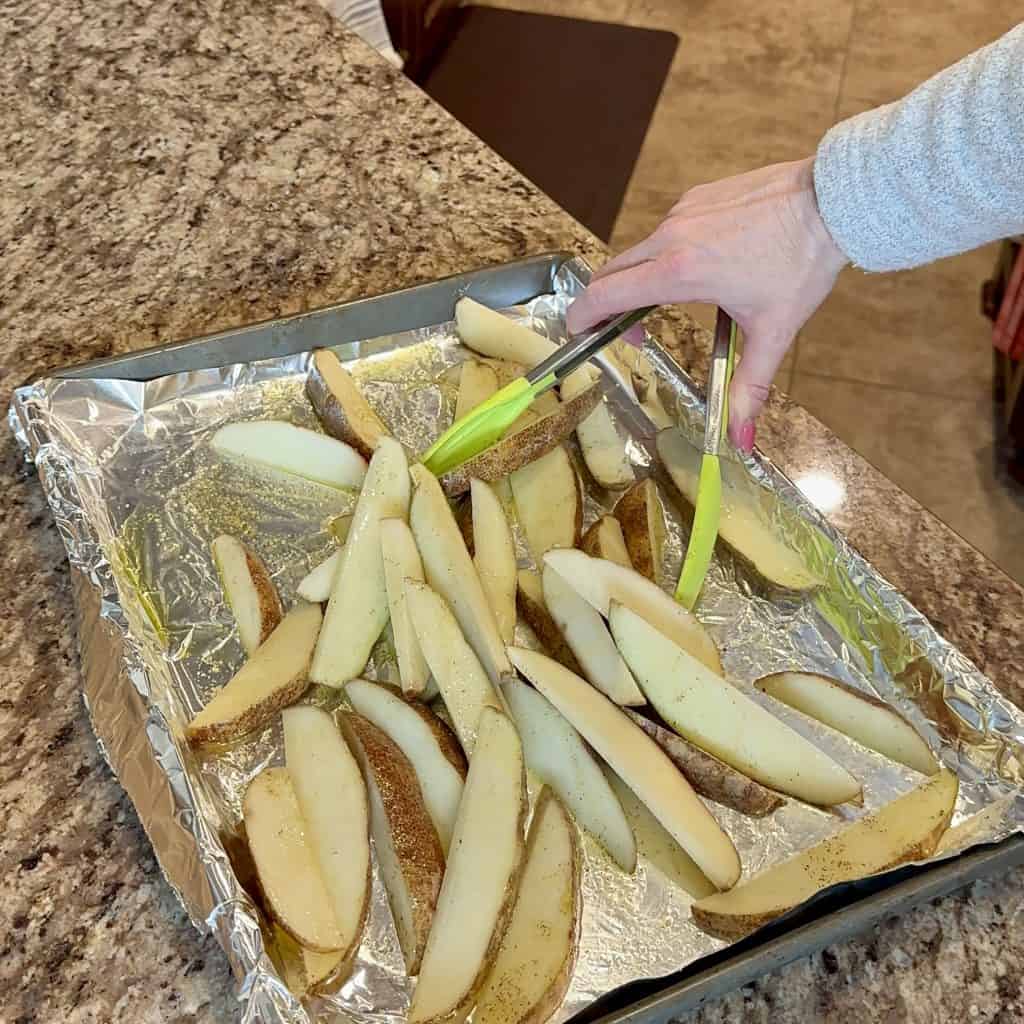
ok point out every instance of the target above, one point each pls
(171, 169)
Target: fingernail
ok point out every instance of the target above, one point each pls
(746, 436)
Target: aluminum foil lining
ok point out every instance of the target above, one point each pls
(138, 496)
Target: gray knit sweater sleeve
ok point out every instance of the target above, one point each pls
(937, 173)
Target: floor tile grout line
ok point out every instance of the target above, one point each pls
(924, 392)
(846, 61)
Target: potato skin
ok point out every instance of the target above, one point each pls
(516, 450)
(271, 609)
(331, 412)
(253, 718)
(631, 510)
(710, 777)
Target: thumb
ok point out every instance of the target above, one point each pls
(763, 352)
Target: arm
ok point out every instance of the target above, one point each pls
(939, 172)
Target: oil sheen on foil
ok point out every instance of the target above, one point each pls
(138, 496)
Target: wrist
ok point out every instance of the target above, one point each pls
(824, 248)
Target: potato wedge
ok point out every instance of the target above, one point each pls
(530, 605)
(477, 382)
(600, 582)
(450, 571)
(642, 518)
(304, 971)
(712, 778)
(432, 750)
(604, 539)
(741, 523)
(906, 829)
(494, 555)
(978, 828)
(641, 764)
(866, 719)
(587, 635)
(340, 406)
(339, 527)
(719, 718)
(249, 591)
(288, 870)
(533, 967)
(481, 879)
(279, 447)
(492, 334)
(317, 584)
(331, 795)
(523, 444)
(656, 846)
(464, 685)
(603, 447)
(549, 502)
(357, 611)
(272, 678)
(401, 563)
(558, 757)
(408, 850)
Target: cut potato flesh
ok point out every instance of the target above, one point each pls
(340, 405)
(534, 964)
(712, 778)
(358, 608)
(304, 971)
(408, 850)
(978, 828)
(282, 447)
(495, 556)
(558, 757)
(719, 718)
(492, 334)
(480, 882)
(905, 830)
(741, 524)
(450, 571)
(549, 504)
(424, 739)
(600, 581)
(464, 685)
(656, 846)
(477, 382)
(339, 527)
(287, 867)
(317, 584)
(401, 563)
(331, 794)
(587, 634)
(530, 604)
(272, 678)
(603, 448)
(533, 435)
(248, 590)
(858, 715)
(604, 539)
(641, 764)
(643, 526)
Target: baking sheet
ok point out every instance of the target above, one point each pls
(139, 496)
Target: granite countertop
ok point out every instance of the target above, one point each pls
(171, 169)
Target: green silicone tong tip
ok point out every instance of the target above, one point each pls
(709, 487)
(489, 421)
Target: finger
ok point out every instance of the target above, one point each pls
(634, 336)
(648, 249)
(751, 383)
(642, 285)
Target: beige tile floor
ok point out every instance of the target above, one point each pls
(899, 365)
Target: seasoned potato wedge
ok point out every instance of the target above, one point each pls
(604, 539)
(494, 555)
(401, 563)
(549, 502)
(858, 715)
(531, 606)
(712, 778)
(719, 718)
(317, 584)
(248, 590)
(603, 447)
(276, 675)
(340, 406)
(522, 446)
(642, 518)
(905, 830)
(492, 334)
(533, 967)
(477, 382)
(304, 971)
(480, 883)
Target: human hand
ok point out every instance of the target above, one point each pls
(753, 244)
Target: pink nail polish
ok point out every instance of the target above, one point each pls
(747, 436)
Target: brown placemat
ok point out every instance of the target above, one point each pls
(567, 102)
